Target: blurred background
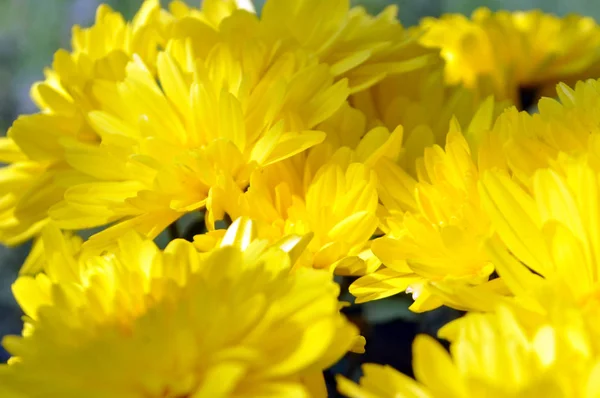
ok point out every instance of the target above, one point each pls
(32, 30)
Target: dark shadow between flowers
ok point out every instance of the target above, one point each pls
(389, 342)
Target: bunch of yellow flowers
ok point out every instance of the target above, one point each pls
(312, 141)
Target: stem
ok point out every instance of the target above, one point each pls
(173, 231)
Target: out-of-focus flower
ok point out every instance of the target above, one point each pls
(423, 104)
(553, 230)
(500, 52)
(33, 148)
(495, 355)
(37, 259)
(356, 45)
(142, 322)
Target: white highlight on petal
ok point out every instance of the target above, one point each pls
(415, 290)
(246, 5)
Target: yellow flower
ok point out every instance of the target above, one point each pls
(211, 13)
(540, 211)
(381, 381)
(499, 52)
(212, 120)
(329, 194)
(571, 122)
(23, 185)
(33, 150)
(494, 355)
(552, 231)
(567, 126)
(422, 104)
(37, 258)
(440, 237)
(436, 250)
(140, 322)
(357, 46)
(99, 52)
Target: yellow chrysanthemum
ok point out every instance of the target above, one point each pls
(499, 52)
(567, 126)
(211, 13)
(99, 52)
(215, 117)
(357, 46)
(418, 251)
(380, 148)
(553, 159)
(422, 104)
(23, 183)
(33, 150)
(417, 99)
(140, 322)
(329, 194)
(280, 83)
(495, 355)
(573, 116)
(37, 259)
(553, 231)
(440, 238)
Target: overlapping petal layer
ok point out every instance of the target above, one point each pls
(142, 322)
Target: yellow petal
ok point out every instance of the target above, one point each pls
(434, 368)
(514, 215)
(383, 283)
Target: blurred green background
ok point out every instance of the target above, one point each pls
(32, 30)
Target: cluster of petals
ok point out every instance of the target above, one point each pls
(308, 140)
